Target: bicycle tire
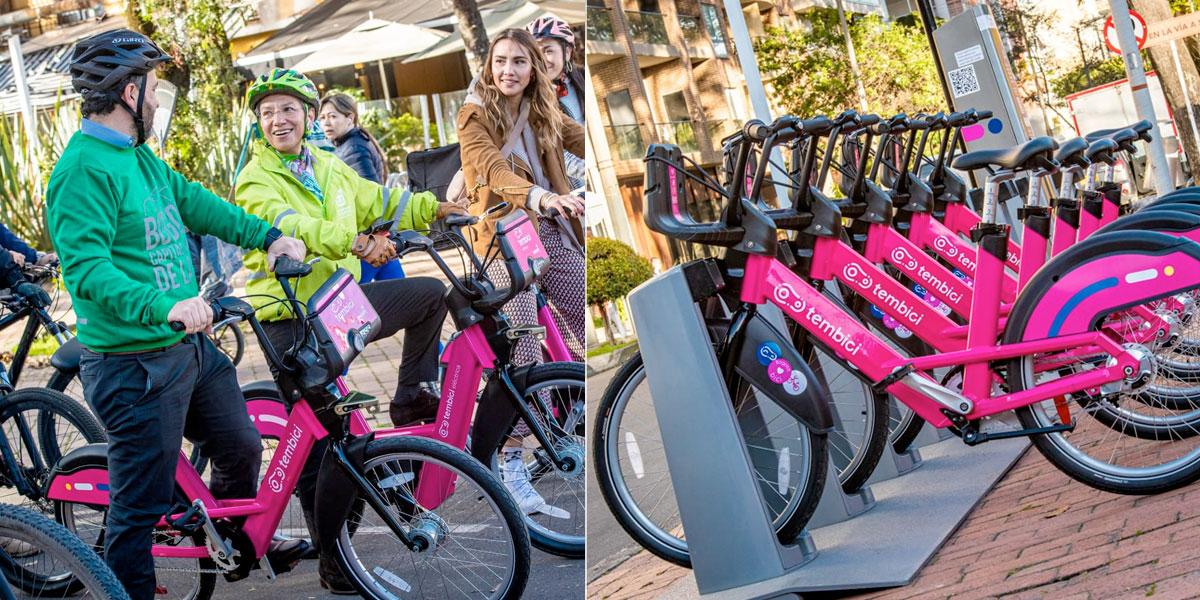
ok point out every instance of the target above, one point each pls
(541, 536)
(238, 349)
(50, 408)
(1072, 451)
(50, 538)
(92, 533)
(494, 493)
(650, 535)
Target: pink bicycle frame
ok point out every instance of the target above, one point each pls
(767, 280)
(262, 513)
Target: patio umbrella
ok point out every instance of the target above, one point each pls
(512, 15)
(372, 41)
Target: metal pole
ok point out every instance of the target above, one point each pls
(425, 118)
(858, 83)
(387, 95)
(1141, 93)
(437, 115)
(1187, 99)
(754, 85)
(927, 24)
(18, 67)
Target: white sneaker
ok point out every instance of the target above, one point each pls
(515, 475)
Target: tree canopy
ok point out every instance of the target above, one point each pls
(810, 74)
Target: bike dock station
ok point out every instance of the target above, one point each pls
(869, 539)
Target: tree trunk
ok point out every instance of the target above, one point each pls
(612, 339)
(475, 39)
(1157, 11)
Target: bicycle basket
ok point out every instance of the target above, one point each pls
(343, 321)
(521, 248)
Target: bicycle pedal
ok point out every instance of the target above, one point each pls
(517, 332)
(354, 400)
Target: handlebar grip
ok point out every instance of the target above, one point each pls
(179, 326)
(756, 130)
(847, 116)
(816, 125)
(286, 266)
(869, 120)
(984, 114)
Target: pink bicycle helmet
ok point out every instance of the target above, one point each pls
(551, 27)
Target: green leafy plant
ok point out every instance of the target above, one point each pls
(613, 270)
(1100, 73)
(205, 130)
(808, 70)
(23, 177)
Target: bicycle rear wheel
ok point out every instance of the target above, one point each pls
(790, 463)
(55, 550)
(476, 543)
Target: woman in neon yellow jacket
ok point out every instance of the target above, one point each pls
(312, 195)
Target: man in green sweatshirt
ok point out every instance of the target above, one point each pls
(117, 215)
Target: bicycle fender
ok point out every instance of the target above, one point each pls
(495, 414)
(1103, 274)
(336, 490)
(772, 364)
(81, 476)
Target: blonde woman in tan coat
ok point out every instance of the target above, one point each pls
(513, 106)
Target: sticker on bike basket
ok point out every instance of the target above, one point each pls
(768, 352)
(903, 332)
(779, 370)
(796, 383)
(876, 312)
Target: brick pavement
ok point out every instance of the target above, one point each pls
(1037, 534)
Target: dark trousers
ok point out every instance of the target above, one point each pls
(149, 402)
(414, 304)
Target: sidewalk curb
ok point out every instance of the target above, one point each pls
(612, 360)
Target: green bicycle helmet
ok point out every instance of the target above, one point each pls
(283, 81)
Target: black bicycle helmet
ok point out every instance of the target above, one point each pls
(99, 63)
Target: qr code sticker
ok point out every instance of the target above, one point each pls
(963, 81)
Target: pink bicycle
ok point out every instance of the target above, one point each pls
(541, 463)
(405, 514)
(1066, 367)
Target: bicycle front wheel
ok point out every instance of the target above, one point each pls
(52, 549)
(789, 461)
(475, 544)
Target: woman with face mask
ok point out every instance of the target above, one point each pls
(513, 107)
(358, 149)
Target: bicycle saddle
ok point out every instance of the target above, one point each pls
(1032, 154)
(1102, 151)
(1071, 153)
(1124, 139)
(1139, 128)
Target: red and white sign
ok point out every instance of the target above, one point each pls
(1110, 33)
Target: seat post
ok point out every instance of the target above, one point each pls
(1035, 219)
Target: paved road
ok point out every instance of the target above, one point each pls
(608, 544)
(375, 373)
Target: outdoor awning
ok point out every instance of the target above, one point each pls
(512, 15)
(373, 40)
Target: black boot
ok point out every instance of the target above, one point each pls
(332, 578)
(421, 406)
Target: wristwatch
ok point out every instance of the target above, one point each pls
(272, 235)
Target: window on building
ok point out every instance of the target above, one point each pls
(650, 6)
(712, 22)
(624, 136)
